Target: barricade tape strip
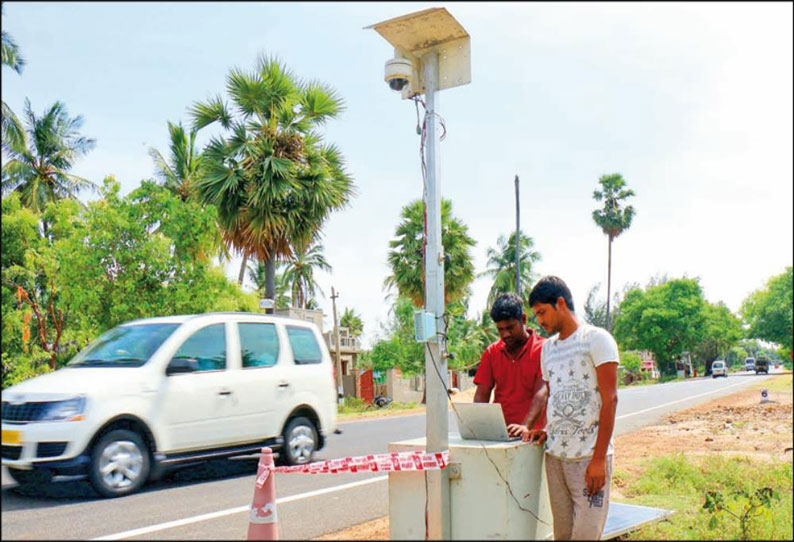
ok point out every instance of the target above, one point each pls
(391, 462)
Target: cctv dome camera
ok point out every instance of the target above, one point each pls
(398, 73)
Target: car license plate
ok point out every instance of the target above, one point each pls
(12, 437)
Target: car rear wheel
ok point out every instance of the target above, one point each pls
(300, 441)
(28, 478)
(119, 463)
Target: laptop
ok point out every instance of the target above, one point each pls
(482, 421)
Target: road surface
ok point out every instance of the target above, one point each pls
(210, 501)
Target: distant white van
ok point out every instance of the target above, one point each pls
(749, 364)
(158, 392)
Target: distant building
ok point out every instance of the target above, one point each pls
(349, 347)
(648, 364)
(311, 315)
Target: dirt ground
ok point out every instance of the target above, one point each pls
(734, 424)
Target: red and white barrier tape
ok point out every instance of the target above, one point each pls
(395, 461)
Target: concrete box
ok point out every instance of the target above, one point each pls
(481, 504)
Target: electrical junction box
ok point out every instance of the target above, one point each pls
(424, 326)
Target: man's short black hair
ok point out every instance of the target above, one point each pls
(548, 290)
(507, 306)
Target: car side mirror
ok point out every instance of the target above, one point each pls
(181, 365)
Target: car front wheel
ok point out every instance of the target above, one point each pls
(300, 441)
(119, 463)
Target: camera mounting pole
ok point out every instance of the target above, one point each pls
(439, 47)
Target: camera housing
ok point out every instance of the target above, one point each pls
(399, 73)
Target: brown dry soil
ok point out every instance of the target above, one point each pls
(734, 424)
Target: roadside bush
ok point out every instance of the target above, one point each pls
(683, 483)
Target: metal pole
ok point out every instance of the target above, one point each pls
(518, 241)
(437, 423)
(339, 389)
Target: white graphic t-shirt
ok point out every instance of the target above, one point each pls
(574, 406)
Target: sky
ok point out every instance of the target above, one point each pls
(690, 102)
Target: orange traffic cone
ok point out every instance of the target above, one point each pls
(263, 520)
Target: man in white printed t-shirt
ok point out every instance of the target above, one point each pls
(579, 364)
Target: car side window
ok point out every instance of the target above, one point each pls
(258, 344)
(207, 346)
(304, 345)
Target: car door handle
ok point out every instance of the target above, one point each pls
(225, 392)
(284, 385)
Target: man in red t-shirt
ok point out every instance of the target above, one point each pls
(512, 366)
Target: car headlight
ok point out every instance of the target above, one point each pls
(68, 410)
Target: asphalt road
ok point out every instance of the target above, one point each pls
(210, 501)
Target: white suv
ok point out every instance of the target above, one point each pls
(159, 392)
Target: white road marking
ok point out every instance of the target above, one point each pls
(679, 401)
(235, 510)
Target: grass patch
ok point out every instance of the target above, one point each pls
(777, 383)
(356, 405)
(681, 482)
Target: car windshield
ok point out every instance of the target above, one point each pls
(124, 346)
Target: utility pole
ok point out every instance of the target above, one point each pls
(437, 427)
(518, 244)
(432, 52)
(339, 389)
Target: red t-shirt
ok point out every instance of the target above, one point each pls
(515, 378)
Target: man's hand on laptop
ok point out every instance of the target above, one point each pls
(517, 430)
(536, 436)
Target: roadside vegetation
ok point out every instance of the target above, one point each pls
(725, 468)
(358, 408)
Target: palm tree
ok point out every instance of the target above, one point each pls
(257, 275)
(351, 321)
(407, 253)
(299, 272)
(181, 172)
(501, 265)
(12, 130)
(270, 175)
(612, 218)
(38, 167)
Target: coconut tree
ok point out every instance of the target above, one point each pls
(257, 275)
(299, 272)
(271, 176)
(501, 264)
(351, 321)
(12, 129)
(182, 169)
(612, 218)
(38, 166)
(407, 252)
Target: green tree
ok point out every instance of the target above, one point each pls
(612, 218)
(101, 265)
(721, 332)
(406, 256)
(12, 130)
(351, 321)
(501, 265)
(181, 171)
(595, 308)
(32, 315)
(768, 311)
(129, 273)
(258, 275)
(466, 338)
(299, 272)
(271, 176)
(38, 166)
(399, 347)
(666, 320)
